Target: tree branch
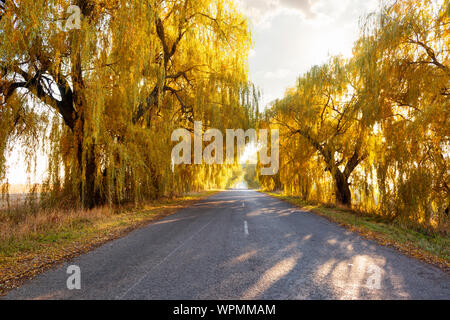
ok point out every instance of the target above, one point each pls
(431, 54)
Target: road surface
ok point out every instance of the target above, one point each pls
(242, 245)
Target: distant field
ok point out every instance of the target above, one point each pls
(21, 188)
(15, 199)
(18, 188)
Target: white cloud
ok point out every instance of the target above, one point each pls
(290, 36)
(278, 74)
(257, 10)
(260, 11)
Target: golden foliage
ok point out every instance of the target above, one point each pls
(375, 128)
(112, 91)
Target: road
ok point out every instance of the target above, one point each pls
(242, 245)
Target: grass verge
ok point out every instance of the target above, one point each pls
(34, 243)
(433, 249)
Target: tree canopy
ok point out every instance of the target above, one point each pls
(105, 97)
(372, 131)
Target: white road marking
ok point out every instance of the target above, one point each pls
(246, 228)
(243, 204)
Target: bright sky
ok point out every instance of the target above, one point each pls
(291, 36)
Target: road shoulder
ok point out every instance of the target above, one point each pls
(432, 249)
(23, 259)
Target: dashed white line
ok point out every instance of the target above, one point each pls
(246, 228)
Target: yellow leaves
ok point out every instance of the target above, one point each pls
(110, 67)
(388, 105)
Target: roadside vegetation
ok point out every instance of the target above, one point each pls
(32, 241)
(420, 243)
(372, 132)
(369, 134)
(102, 100)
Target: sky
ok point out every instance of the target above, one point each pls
(291, 36)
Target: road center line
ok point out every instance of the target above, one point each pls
(246, 228)
(162, 261)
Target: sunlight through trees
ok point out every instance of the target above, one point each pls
(106, 97)
(372, 131)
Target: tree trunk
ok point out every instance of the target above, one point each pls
(91, 196)
(343, 194)
(87, 168)
(87, 164)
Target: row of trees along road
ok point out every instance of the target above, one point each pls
(372, 131)
(104, 99)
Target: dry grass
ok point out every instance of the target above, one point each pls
(432, 247)
(29, 222)
(33, 240)
(18, 224)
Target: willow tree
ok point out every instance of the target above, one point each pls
(323, 113)
(131, 72)
(192, 39)
(67, 71)
(198, 72)
(378, 122)
(404, 57)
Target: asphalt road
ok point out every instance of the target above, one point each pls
(242, 245)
